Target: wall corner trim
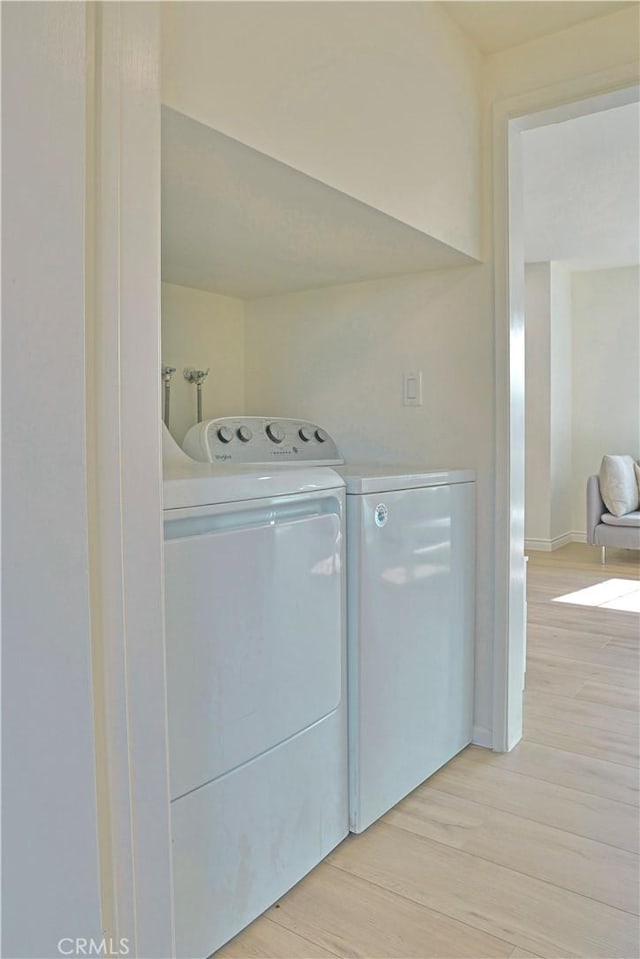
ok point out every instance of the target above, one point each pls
(482, 737)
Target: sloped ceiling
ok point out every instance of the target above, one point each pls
(237, 222)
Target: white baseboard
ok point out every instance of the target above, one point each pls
(544, 545)
(482, 737)
(578, 537)
(548, 545)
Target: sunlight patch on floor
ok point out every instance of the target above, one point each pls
(612, 594)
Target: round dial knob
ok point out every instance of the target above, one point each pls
(275, 432)
(321, 436)
(244, 434)
(305, 433)
(225, 435)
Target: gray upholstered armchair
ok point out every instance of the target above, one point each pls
(604, 529)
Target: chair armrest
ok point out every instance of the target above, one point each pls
(595, 507)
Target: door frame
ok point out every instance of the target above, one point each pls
(124, 475)
(552, 104)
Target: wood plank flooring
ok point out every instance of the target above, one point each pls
(527, 854)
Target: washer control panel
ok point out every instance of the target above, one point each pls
(261, 439)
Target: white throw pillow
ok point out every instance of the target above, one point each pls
(618, 484)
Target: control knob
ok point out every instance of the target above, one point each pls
(275, 432)
(244, 434)
(305, 433)
(225, 435)
(321, 436)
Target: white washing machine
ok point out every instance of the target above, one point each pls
(256, 670)
(410, 575)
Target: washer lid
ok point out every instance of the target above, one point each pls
(385, 477)
(188, 483)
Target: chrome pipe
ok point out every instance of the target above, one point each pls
(196, 377)
(167, 373)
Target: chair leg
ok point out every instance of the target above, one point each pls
(603, 556)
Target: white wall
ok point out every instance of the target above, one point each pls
(379, 100)
(548, 437)
(561, 412)
(337, 356)
(583, 390)
(50, 879)
(537, 403)
(606, 383)
(201, 330)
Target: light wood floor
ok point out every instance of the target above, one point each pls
(530, 853)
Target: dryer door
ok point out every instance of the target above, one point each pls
(254, 629)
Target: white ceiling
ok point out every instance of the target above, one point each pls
(240, 223)
(582, 190)
(495, 26)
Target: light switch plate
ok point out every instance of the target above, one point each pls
(412, 388)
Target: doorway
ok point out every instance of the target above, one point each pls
(511, 119)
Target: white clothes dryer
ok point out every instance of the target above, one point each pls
(256, 674)
(410, 581)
